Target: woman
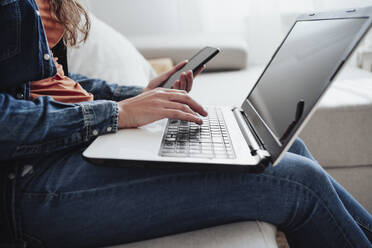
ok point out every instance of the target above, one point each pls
(53, 198)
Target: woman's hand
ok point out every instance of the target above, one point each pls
(183, 83)
(157, 104)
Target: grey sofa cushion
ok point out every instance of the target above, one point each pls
(233, 54)
(339, 133)
(252, 234)
(357, 180)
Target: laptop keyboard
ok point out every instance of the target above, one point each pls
(187, 139)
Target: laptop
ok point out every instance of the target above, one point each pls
(260, 131)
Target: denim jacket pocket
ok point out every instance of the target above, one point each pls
(10, 32)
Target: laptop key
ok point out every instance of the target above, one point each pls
(209, 140)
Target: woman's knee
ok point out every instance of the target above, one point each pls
(301, 170)
(298, 146)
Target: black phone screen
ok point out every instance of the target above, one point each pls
(194, 64)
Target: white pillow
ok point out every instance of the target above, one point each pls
(110, 56)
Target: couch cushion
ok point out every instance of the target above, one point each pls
(357, 181)
(233, 54)
(161, 65)
(251, 234)
(339, 133)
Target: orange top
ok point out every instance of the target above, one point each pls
(53, 29)
(60, 87)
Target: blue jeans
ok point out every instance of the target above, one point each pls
(68, 202)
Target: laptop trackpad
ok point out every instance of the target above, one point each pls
(135, 143)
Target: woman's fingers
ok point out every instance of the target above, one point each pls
(179, 106)
(180, 65)
(199, 71)
(186, 99)
(169, 73)
(180, 97)
(177, 84)
(180, 115)
(183, 81)
(190, 79)
(157, 104)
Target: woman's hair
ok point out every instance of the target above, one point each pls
(72, 15)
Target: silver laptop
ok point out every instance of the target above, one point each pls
(261, 130)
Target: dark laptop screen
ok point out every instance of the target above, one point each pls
(301, 70)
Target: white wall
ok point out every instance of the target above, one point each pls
(333, 4)
(263, 23)
(137, 17)
(143, 17)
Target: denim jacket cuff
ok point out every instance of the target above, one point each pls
(100, 117)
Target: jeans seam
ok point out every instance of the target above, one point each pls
(307, 219)
(293, 215)
(101, 190)
(361, 223)
(29, 237)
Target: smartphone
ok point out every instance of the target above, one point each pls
(194, 64)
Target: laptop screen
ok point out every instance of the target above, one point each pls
(301, 71)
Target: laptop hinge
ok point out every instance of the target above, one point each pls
(254, 144)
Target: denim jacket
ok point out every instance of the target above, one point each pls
(43, 126)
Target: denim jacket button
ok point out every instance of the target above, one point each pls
(46, 56)
(20, 95)
(95, 132)
(109, 129)
(27, 169)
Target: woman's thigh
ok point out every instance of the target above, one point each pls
(68, 202)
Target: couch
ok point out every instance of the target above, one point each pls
(338, 133)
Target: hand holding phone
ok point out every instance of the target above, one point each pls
(194, 64)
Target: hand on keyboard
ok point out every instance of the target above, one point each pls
(157, 104)
(210, 140)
